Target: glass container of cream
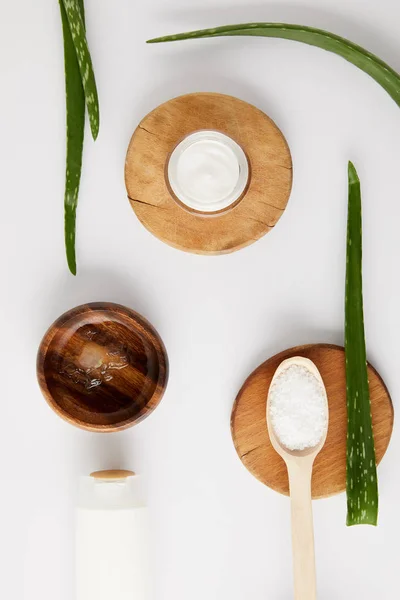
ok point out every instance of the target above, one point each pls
(207, 172)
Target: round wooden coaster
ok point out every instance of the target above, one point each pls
(261, 205)
(249, 428)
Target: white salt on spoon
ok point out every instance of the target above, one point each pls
(297, 418)
(297, 407)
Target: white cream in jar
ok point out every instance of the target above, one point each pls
(208, 171)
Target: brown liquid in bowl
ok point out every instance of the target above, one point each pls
(102, 366)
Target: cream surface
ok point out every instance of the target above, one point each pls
(208, 171)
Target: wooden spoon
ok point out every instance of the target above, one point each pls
(299, 464)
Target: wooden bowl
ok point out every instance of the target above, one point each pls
(102, 367)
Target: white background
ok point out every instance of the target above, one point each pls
(219, 533)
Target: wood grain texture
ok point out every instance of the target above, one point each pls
(304, 577)
(299, 464)
(102, 367)
(270, 173)
(249, 428)
(112, 474)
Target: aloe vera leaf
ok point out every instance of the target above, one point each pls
(367, 62)
(77, 29)
(75, 125)
(362, 483)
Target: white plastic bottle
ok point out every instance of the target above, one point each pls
(112, 538)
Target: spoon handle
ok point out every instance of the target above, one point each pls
(302, 530)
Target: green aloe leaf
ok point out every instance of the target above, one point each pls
(367, 62)
(73, 10)
(75, 108)
(362, 483)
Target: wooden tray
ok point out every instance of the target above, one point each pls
(250, 434)
(260, 207)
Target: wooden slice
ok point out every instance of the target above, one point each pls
(249, 428)
(260, 207)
